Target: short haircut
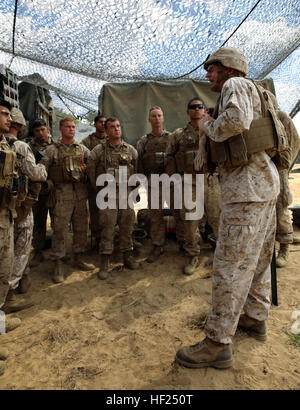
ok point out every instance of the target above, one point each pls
(194, 99)
(110, 119)
(156, 107)
(6, 104)
(40, 122)
(97, 118)
(65, 119)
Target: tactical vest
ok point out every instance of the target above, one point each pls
(154, 158)
(188, 149)
(69, 167)
(28, 191)
(8, 176)
(265, 134)
(112, 159)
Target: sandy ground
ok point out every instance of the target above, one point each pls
(123, 333)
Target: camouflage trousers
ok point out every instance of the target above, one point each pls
(108, 219)
(284, 231)
(72, 211)
(22, 244)
(157, 221)
(187, 231)
(6, 252)
(40, 214)
(241, 268)
(94, 214)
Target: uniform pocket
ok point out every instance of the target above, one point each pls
(236, 230)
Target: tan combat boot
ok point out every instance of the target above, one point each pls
(129, 261)
(15, 303)
(192, 265)
(81, 264)
(155, 254)
(283, 254)
(58, 275)
(206, 353)
(253, 327)
(103, 272)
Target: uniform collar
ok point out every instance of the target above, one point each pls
(164, 133)
(69, 145)
(190, 127)
(122, 143)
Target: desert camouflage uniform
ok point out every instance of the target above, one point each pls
(91, 141)
(187, 232)
(6, 242)
(40, 208)
(284, 232)
(103, 158)
(69, 202)
(151, 143)
(23, 228)
(241, 269)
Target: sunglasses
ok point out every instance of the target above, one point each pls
(194, 106)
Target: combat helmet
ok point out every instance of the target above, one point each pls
(229, 57)
(17, 116)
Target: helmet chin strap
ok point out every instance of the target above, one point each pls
(222, 77)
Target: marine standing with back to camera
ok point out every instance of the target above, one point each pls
(249, 188)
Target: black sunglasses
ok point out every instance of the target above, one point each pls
(194, 106)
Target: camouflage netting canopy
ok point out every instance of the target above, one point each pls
(78, 45)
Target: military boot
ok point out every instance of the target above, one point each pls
(24, 284)
(15, 303)
(283, 254)
(79, 263)
(206, 354)
(11, 323)
(103, 271)
(58, 275)
(156, 252)
(253, 327)
(192, 265)
(129, 261)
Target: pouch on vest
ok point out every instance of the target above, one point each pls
(22, 188)
(74, 169)
(7, 166)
